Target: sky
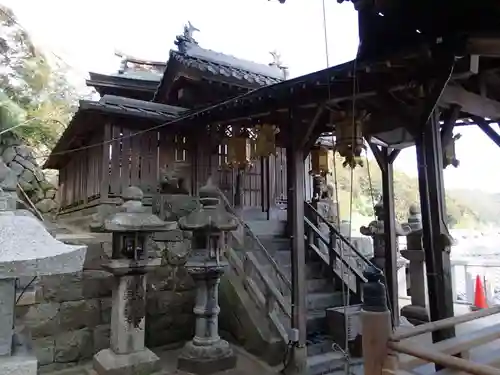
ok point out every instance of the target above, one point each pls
(86, 34)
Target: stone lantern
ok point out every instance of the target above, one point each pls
(416, 312)
(27, 250)
(376, 231)
(132, 228)
(207, 353)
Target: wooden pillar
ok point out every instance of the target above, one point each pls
(238, 188)
(268, 188)
(289, 184)
(385, 158)
(104, 188)
(435, 235)
(263, 183)
(391, 245)
(295, 199)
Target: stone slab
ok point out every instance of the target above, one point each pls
(21, 362)
(7, 300)
(145, 362)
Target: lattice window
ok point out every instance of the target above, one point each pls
(222, 154)
(180, 148)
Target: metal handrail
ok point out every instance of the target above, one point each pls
(249, 231)
(340, 236)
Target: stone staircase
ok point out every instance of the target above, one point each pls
(322, 292)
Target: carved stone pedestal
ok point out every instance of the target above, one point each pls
(207, 353)
(127, 354)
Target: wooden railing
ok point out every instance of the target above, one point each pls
(405, 351)
(335, 250)
(270, 294)
(444, 353)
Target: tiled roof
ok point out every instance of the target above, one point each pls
(229, 66)
(81, 124)
(132, 107)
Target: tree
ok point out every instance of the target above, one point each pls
(33, 86)
(366, 189)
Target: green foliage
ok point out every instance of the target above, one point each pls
(463, 209)
(34, 90)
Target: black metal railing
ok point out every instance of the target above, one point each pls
(347, 262)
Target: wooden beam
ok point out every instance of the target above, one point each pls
(471, 103)
(488, 130)
(308, 131)
(377, 153)
(483, 46)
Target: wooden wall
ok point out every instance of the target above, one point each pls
(104, 172)
(211, 162)
(80, 179)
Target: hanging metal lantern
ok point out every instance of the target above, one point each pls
(349, 141)
(320, 164)
(239, 151)
(265, 142)
(450, 156)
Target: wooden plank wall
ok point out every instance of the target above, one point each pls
(215, 159)
(137, 160)
(80, 177)
(133, 161)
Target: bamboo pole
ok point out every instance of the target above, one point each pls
(443, 323)
(444, 359)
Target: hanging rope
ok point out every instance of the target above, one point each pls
(371, 184)
(344, 290)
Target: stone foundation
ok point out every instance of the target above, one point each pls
(20, 159)
(70, 321)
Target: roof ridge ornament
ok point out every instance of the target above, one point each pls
(181, 41)
(277, 62)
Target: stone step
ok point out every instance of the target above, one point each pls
(325, 363)
(318, 301)
(316, 321)
(313, 270)
(320, 285)
(273, 243)
(267, 227)
(318, 344)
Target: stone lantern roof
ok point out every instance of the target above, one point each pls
(27, 249)
(210, 216)
(134, 217)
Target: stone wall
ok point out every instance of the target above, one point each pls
(70, 321)
(21, 160)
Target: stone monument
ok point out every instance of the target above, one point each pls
(207, 353)
(26, 250)
(132, 228)
(416, 312)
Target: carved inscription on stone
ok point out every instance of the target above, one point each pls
(134, 298)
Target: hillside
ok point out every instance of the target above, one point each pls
(465, 208)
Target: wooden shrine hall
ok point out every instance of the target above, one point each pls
(100, 153)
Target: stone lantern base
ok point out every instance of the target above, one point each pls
(107, 362)
(206, 359)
